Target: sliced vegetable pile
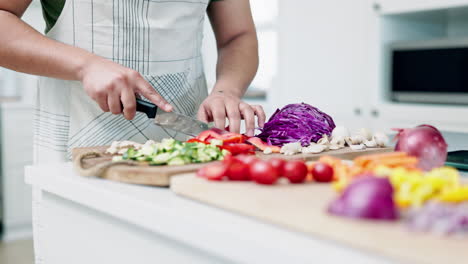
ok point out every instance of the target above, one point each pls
(340, 138)
(437, 199)
(234, 143)
(378, 187)
(173, 152)
(440, 218)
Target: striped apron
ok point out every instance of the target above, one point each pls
(161, 39)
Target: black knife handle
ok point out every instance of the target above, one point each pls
(148, 108)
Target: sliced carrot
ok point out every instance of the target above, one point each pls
(362, 160)
(394, 162)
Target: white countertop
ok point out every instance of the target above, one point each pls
(237, 238)
(219, 232)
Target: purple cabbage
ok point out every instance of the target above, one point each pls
(297, 123)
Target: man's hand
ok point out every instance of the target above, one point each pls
(237, 64)
(112, 86)
(221, 105)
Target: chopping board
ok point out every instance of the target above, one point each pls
(302, 208)
(141, 174)
(160, 175)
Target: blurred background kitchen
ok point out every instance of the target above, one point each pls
(368, 63)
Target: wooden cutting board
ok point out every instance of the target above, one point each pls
(302, 208)
(142, 174)
(160, 175)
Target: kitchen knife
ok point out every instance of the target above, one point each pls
(172, 120)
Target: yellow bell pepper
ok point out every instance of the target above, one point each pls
(456, 195)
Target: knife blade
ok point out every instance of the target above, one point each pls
(171, 120)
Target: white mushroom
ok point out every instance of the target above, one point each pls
(122, 151)
(149, 143)
(381, 139)
(365, 133)
(324, 140)
(335, 147)
(370, 143)
(358, 147)
(314, 148)
(354, 140)
(340, 132)
(291, 148)
(338, 141)
(120, 147)
(267, 151)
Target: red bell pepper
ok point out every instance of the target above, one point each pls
(239, 148)
(257, 142)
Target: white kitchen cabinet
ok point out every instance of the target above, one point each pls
(392, 21)
(16, 135)
(333, 55)
(322, 60)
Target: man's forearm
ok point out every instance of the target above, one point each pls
(25, 50)
(237, 64)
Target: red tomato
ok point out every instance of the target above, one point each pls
(278, 165)
(228, 159)
(238, 171)
(262, 172)
(247, 159)
(322, 172)
(295, 171)
(239, 148)
(213, 172)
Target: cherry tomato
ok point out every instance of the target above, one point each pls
(228, 159)
(278, 165)
(262, 172)
(213, 172)
(295, 171)
(238, 171)
(247, 159)
(322, 172)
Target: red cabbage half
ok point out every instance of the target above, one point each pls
(297, 123)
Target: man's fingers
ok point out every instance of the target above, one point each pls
(218, 112)
(260, 113)
(148, 91)
(129, 104)
(233, 114)
(113, 100)
(249, 116)
(102, 102)
(202, 115)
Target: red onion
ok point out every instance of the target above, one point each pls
(424, 142)
(366, 197)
